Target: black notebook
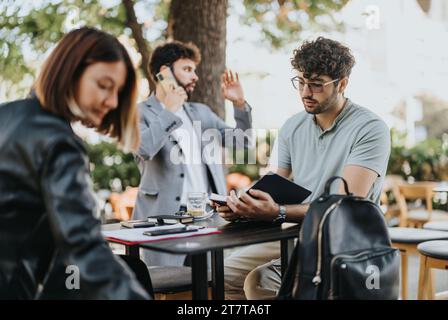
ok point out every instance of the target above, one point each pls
(171, 218)
(282, 190)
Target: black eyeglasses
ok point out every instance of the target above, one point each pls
(314, 87)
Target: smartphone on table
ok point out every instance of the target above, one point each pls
(161, 232)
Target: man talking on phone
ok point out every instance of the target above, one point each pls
(171, 155)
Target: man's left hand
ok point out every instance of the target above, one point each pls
(231, 89)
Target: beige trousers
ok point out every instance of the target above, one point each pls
(253, 272)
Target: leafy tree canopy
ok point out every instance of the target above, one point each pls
(282, 21)
(29, 28)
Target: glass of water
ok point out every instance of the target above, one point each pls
(196, 203)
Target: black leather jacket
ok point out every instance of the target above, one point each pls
(47, 220)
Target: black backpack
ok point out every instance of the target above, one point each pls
(344, 252)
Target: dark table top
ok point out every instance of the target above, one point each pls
(233, 234)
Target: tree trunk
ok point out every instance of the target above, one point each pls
(142, 46)
(425, 5)
(203, 22)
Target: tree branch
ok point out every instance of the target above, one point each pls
(137, 33)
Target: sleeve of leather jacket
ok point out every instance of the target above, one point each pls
(67, 191)
(155, 133)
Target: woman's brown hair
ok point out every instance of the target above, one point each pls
(60, 74)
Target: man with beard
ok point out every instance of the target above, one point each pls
(334, 136)
(177, 135)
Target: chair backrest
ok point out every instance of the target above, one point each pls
(123, 204)
(141, 272)
(391, 183)
(411, 192)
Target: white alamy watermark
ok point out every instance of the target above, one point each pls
(221, 146)
(373, 280)
(72, 280)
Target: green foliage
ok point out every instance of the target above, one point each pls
(426, 161)
(282, 21)
(36, 28)
(111, 168)
(250, 170)
(24, 27)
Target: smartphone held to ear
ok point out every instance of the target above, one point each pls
(166, 79)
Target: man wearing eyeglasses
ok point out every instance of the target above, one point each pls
(334, 136)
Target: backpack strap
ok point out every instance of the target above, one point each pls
(290, 276)
(288, 288)
(330, 181)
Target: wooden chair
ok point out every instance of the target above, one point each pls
(407, 240)
(237, 181)
(433, 255)
(417, 217)
(123, 204)
(391, 209)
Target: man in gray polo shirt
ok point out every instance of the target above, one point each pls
(334, 136)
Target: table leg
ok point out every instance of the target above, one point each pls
(133, 251)
(199, 276)
(286, 247)
(218, 274)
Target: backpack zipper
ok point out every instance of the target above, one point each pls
(317, 278)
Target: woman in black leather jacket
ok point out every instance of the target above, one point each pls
(48, 218)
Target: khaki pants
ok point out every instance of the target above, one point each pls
(253, 272)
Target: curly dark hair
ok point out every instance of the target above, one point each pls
(170, 52)
(323, 57)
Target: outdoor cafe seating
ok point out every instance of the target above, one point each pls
(421, 210)
(415, 203)
(433, 255)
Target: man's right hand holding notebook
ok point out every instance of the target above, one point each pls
(266, 199)
(258, 205)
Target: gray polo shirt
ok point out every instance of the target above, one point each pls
(357, 137)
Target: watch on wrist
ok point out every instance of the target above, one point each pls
(281, 214)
